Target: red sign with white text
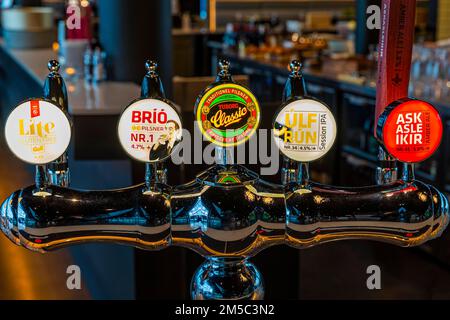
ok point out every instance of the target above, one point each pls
(412, 131)
(34, 108)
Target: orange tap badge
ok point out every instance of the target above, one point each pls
(228, 115)
(411, 130)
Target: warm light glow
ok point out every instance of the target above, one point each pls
(55, 46)
(70, 71)
(72, 88)
(318, 199)
(303, 191)
(423, 197)
(249, 196)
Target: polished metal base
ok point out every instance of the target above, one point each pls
(227, 279)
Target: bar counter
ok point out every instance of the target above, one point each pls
(100, 99)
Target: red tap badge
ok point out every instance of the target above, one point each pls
(411, 130)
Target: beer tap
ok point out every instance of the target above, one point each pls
(395, 44)
(152, 88)
(223, 154)
(58, 172)
(294, 90)
(228, 214)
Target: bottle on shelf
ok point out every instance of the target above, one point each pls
(88, 64)
(98, 65)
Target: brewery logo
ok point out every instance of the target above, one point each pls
(228, 115)
(412, 131)
(304, 130)
(149, 130)
(38, 131)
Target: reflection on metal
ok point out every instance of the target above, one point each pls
(238, 220)
(386, 171)
(227, 214)
(225, 220)
(212, 278)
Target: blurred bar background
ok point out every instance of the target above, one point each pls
(103, 64)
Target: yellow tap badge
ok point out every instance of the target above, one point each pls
(228, 115)
(304, 130)
(38, 131)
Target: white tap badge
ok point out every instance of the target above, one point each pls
(149, 130)
(304, 130)
(38, 131)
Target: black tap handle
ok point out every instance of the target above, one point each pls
(54, 86)
(295, 85)
(152, 86)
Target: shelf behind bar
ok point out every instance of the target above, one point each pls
(106, 98)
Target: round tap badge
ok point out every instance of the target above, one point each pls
(149, 130)
(38, 131)
(411, 130)
(228, 115)
(304, 130)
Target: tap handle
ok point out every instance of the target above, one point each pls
(38, 132)
(226, 113)
(295, 87)
(54, 86)
(304, 128)
(55, 90)
(152, 86)
(150, 127)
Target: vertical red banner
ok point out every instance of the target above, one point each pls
(395, 50)
(35, 110)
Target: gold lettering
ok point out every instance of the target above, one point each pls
(21, 127)
(288, 122)
(221, 119)
(288, 137)
(35, 129)
(312, 118)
